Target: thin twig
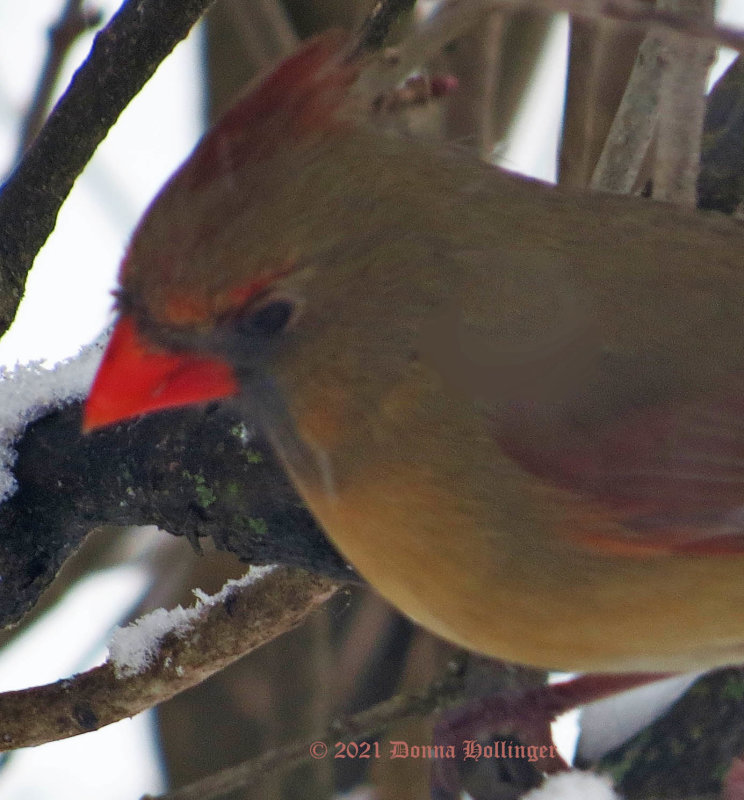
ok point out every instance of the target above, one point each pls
(359, 726)
(74, 20)
(218, 634)
(638, 12)
(454, 17)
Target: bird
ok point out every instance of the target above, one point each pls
(517, 410)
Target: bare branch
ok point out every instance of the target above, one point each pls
(638, 12)
(722, 161)
(249, 617)
(365, 724)
(682, 108)
(139, 36)
(376, 26)
(664, 96)
(634, 125)
(601, 58)
(74, 20)
(455, 17)
(471, 112)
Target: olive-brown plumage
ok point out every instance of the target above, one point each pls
(517, 411)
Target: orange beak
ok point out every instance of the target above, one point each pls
(134, 378)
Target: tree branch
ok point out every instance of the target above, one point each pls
(634, 124)
(639, 13)
(376, 26)
(721, 181)
(221, 632)
(187, 472)
(123, 57)
(453, 18)
(73, 21)
(682, 108)
(363, 725)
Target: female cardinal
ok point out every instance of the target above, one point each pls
(518, 412)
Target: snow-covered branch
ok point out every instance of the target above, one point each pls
(189, 472)
(151, 663)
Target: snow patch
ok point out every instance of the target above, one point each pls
(29, 391)
(574, 785)
(135, 648)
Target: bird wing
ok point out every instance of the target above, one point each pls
(626, 391)
(671, 473)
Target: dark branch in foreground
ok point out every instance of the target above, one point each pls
(187, 472)
(123, 57)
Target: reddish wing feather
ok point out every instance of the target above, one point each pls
(672, 475)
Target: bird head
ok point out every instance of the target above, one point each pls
(218, 270)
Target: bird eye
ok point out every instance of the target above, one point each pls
(269, 319)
